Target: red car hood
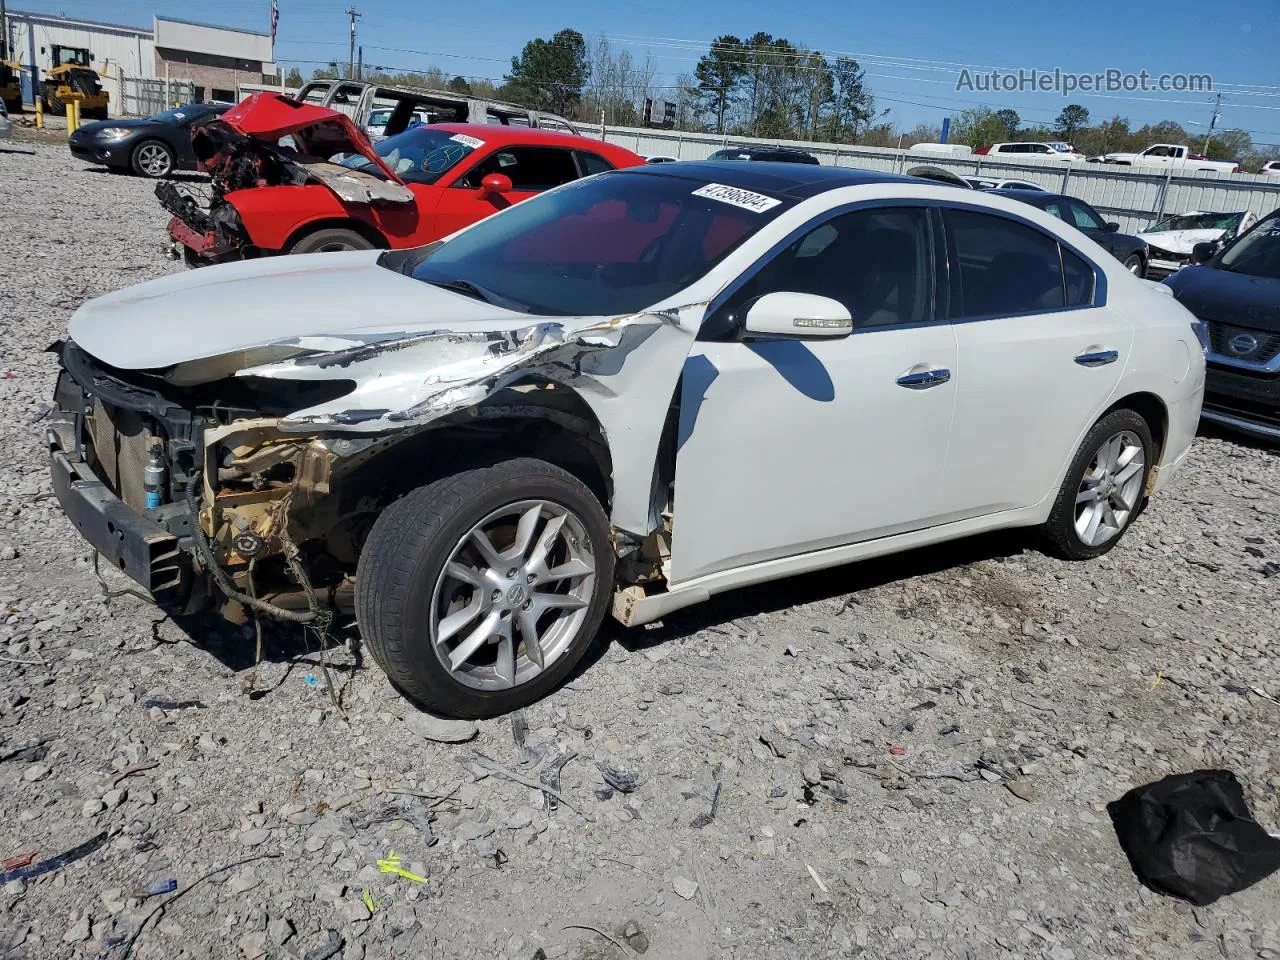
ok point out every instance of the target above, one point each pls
(271, 116)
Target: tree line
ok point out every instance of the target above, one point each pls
(766, 86)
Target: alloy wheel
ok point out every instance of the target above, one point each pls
(1110, 489)
(513, 595)
(153, 159)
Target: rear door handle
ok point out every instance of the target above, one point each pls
(1097, 358)
(924, 379)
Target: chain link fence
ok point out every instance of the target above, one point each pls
(140, 97)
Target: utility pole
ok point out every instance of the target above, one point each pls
(1217, 113)
(354, 14)
(360, 64)
(4, 33)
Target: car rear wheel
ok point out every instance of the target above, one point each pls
(1105, 488)
(327, 241)
(151, 158)
(1133, 263)
(479, 593)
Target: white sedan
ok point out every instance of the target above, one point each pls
(626, 395)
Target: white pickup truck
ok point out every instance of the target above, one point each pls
(1165, 155)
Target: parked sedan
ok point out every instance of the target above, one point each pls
(297, 178)
(627, 394)
(6, 125)
(765, 153)
(1236, 290)
(153, 147)
(1129, 250)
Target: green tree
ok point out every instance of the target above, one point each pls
(718, 73)
(549, 74)
(294, 78)
(1071, 119)
(852, 105)
(921, 133)
(1230, 145)
(1012, 122)
(460, 85)
(326, 73)
(978, 127)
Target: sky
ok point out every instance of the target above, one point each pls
(912, 52)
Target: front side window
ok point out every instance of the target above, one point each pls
(1006, 268)
(531, 169)
(878, 263)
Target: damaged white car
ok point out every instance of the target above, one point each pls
(626, 395)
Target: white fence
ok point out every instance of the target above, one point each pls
(1134, 199)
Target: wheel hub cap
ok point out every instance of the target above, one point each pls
(513, 595)
(1110, 489)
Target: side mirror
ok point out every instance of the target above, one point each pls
(494, 184)
(798, 316)
(1203, 251)
(1111, 228)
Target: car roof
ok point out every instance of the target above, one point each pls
(793, 180)
(501, 133)
(1034, 197)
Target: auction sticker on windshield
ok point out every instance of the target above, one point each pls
(467, 141)
(755, 202)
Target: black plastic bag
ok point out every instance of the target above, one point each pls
(1192, 836)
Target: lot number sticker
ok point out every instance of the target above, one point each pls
(736, 196)
(467, 141)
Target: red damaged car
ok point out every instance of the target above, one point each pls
(290, 177)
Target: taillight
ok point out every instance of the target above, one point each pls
(1202, 334)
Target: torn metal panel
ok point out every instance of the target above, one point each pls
(354, 186)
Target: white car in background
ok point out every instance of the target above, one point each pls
(381, 116)
(1049, 150)
(624, 395)
(1172, 239)
(1270, 169)
(998, 183)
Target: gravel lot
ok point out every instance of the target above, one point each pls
(913, 756)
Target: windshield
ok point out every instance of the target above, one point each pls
(421, 154)
(379, 118)
(1199, 221)
(729, 155)
(178, 114)
(607, 245)
(1257, 253)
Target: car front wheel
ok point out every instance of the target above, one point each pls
(1104, 489)
(478, 594)
(151, 158)
(1133, 263)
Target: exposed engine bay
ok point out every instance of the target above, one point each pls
(271, 141)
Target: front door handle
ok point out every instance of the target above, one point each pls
(1097, 358)
(924, 379)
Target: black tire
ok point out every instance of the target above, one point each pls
(1136, 265)
(54, 107)
(140, 164)
(331, 240)
(410, 544)
(1059, 531)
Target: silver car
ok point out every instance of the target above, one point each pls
(6, 125)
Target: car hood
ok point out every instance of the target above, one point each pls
(307, 303)
(1226, 297)
(1180, 241)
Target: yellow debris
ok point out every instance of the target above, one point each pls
(392, 865)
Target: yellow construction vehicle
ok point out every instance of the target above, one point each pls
(71, 77)
(11, 86)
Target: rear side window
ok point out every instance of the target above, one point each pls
(1006, 268)
(593, 163)
(1080, 279)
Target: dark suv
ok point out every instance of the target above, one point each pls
(1236, 290)
(774, 154)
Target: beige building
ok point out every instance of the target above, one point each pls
(216, 59)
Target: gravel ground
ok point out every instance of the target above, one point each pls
(912, 757)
